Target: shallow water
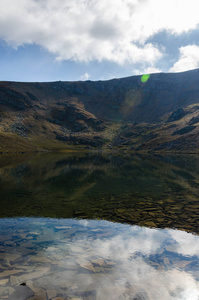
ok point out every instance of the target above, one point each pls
(96, 260)
(99, 227)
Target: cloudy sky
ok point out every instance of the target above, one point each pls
(47, 40)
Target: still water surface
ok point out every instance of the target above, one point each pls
(99, 227)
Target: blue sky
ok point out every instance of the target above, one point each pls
(49, 40)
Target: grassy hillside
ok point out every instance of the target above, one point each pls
(161, 114)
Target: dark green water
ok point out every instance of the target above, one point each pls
(99, 227)
(142, 190)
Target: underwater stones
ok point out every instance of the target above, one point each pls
(10, 243)
(51, 294)
(152, 214)
(34, 275)
(14, 280)
(170, 200)
(10, 256)
(99, 261)
(6, 263)
(161, 202)
(3, 281)
(181, 264)
(39, 292)
(2, 267)
(88, 266)
(6, 291)
(34, 233)
(160, 220)
(76, 249)
(39, 259)
(22, 293)
(75, 298)
(167, 262)
(52, 249)
(62, 227)
(9, 272)
(3, 291)
(150, 224)
(26, 268)
(23, 235)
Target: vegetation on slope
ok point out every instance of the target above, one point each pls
(160, 114)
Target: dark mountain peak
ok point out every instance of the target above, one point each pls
(160, 109)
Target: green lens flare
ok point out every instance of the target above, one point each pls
(145, 77)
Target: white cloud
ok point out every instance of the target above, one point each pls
(85, 76)
(130, 249)
(151, 70)
(148, 70)
(183, 241)
(189, 59)
(86, 30)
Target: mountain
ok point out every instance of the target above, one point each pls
(159, 114)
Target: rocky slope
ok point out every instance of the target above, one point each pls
(161, 114)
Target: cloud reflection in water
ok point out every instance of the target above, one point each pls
(105, 260)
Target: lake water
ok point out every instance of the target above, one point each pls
(97, 226)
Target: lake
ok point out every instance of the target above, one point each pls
(99, 226)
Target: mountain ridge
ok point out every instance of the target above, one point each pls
(161, 114)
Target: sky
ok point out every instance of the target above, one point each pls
(50, 40)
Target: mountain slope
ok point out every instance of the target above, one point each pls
(161, 114)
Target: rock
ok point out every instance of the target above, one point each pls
(99, 269)
(40, 293)
(9, 256)
(23, 235)
(181, 263)
(41, 259)
(3, 281)
(11, 290)
(160, 220)
(27, 268)
(166, 261)
(34, 233)
(9, 243)
(184, 130)
(2, 267)
(14, 280)
(88, 266)
(51, 294)
(3, 291)
(21, 293)
(7, 263)
(152, 214)
(76, 249)
(194, 120)
(33, 275)
(177, 115)
(150, 224)
(9, 272)
(99, 261)
(62, 227)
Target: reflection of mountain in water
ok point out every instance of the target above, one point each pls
(146, 190)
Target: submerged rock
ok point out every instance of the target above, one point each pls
(3, 281)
